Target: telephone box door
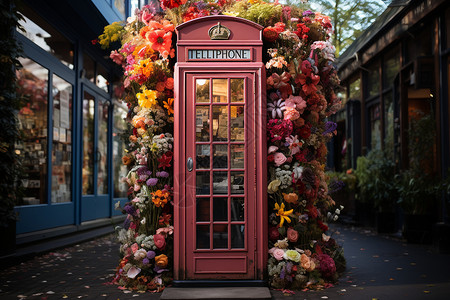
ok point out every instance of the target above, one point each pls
(220, 180)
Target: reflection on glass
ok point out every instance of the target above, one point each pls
(89, 68)
(120, 5)
(237, 209)
(220, 183)
(202, 123)
(62, 142)
(202, 236)
(237, 123)
(202, 90)
(237, 236)
(88, 144)
(203, 209)
(46, 36)
(237, 156)
(102, 148)
(32, 81)
(237, 90)
(220, 159)
(102, 78)
(202, 183)
(220, 123)
(120, 170)
(220, 209)
(220, 237)
(202, 157)
(237, 182)
(220, 90)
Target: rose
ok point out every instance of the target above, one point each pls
(278, 254)
(290, 198)
(274, 234)
(291, 113)
(292, 235)
(161, 260)
(292, 255)
(160, 241)
(279, 159)
(134, 247)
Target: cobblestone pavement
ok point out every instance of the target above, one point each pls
(378, 267)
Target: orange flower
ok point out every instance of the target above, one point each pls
(160, 86)
(160, 198)
(145, 67)
(169, 106)
(160, 40)
(290, 198)
(126, 160)
(161, 260)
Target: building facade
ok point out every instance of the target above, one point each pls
(396, 72)
(71, 120)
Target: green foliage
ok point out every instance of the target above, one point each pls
(263, 13)
(376, 173)
(9, 105)
(350, 18)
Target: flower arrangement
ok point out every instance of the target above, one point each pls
(300, 82)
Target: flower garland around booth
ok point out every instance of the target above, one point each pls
(301, 80)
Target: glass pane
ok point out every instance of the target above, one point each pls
(375, 127)
(237, 182)
(32, 81)
(237, 90)
(202, 123)
(203, 209)
(237, 156)
(102, 78)
(220, 123)
(220, 183)
(220, 237)
(355, 89)
(120, 5)
(373, 79)
(202, 236)
(202, 183)
(237, 209)
(202, 157)
(120, 170)
(88, 144)
(237, 123)
(46, 36)
(102, 148)
(220, 209)
(237, 236)
(202, 90)
(220, 90)
(389, 123)
(89, 68)
(62, 142)
(391, 67)
(220, 159)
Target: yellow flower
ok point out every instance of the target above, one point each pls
(146, 67)
(284, 215)
(169, 106)
(147, 98)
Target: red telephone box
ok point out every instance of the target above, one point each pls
(220, 151)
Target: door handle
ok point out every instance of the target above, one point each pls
(190, 164)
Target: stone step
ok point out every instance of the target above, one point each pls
(216, 293)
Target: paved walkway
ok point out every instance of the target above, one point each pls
(377, 268)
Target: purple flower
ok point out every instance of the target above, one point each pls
(129, 209)
(126, 224)
(145, 261)
(163, 174)
(159, 270)
(151, 254)
(143, 171)
(282, 273)
(307, 13)
(329, 127)
(152, 181)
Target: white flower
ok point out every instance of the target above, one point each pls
(335, 218)
(338, 211)
(276, 108)
(298, 172)
(143, 221)
(133, 272)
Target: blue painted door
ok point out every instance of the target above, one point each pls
(95, 199)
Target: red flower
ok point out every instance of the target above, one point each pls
(304, 132)
(164, 219)
(322, 226)
(302, 31)
(165, 159)
(270, 158)
(274, 234)
(279, 129)
(160, 241)
(308, 82)
(169, 4)
(270, 34)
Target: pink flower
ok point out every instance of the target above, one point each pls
(272, 149)
(279, 158)
(292, 235)
(165, 231)
(294, 144)
(160, 241)
(134, 247)
(116, 57)
(291, 113)
(296, 102)
(278, 254)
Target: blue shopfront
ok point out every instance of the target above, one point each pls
(71, 119)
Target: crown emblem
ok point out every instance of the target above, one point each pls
(219, 32)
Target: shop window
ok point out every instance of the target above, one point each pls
(62, 140)
(89, 68)
(119, 144)
(391, 66)
(120, 6)
(388, 122)
(32, 82)
(95, 72)
(101, 79)
(102, 147)
(46, 36)
(88, 144)
(355, 89)
(375, 126)
(373, 79)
